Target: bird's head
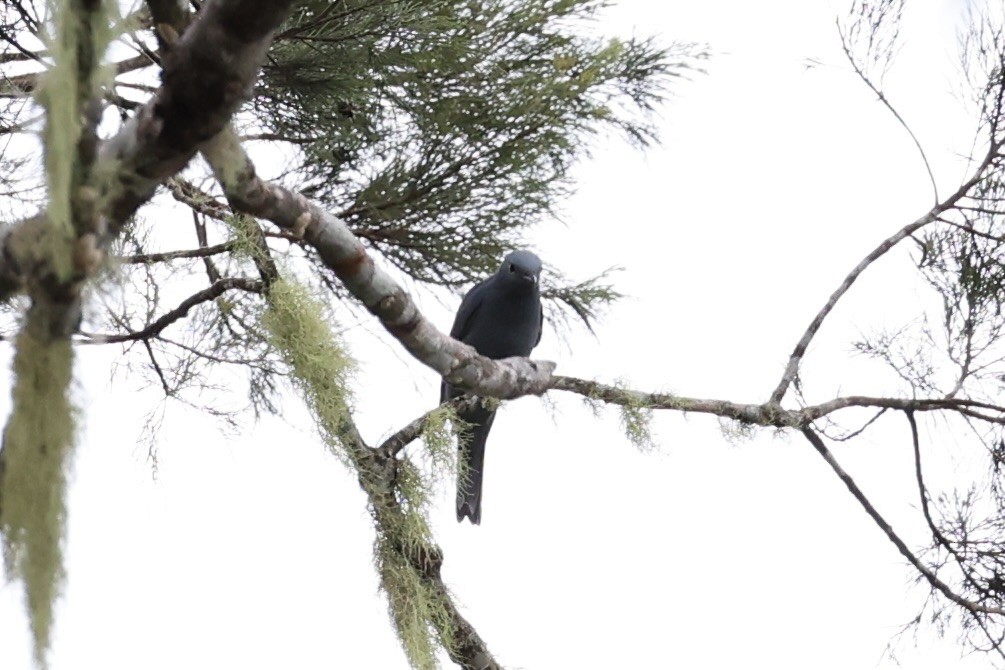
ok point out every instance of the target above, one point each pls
(521, 267)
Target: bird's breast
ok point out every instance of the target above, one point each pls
(507, 326)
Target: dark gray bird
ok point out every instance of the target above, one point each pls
(500, 317)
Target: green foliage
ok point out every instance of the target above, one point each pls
(966, 268)
(37, 444)
(584, 300)
(299, 329)
(443, 129)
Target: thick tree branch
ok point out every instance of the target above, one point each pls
(207, 74)
(346, 256)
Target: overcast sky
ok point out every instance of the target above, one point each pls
(254, 550)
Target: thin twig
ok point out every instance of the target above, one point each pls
(212, 292)
(136, 259)
(157, 368)
(411, 432)
(792, 368)
(886, 103)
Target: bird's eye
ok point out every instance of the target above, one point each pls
(512, 268)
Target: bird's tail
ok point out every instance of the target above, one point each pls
(471, 464)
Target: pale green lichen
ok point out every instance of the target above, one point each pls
(416, 604)
(416, 609)
(39, 436)
(635, 417)
(636, 423)
(79, 41)
(37, 445)
(297, 327)
(437, 438)
(414, 496)
(247, 237)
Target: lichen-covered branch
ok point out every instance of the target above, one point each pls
(769, 414)
(207, 74)
(409, 563)
(415, 429)
(408, 559)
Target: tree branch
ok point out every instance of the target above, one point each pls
(766, 414)
(887, 529)
(379, 480)
(212, 292)
(23, 85)
(345, 255)
(792, 368)
(943, 541)
(202, 252)
(886, 103)
(206, 75)
(411, 432)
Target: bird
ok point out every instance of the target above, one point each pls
(500, 317)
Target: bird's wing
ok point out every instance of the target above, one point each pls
(540, 325)
(470, 305)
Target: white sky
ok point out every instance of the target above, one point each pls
(254, 551)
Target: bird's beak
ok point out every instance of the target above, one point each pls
(532, 277)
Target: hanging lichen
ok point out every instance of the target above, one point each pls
(297, 328)
(37, 445)
(403, 551)
(39, 436)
